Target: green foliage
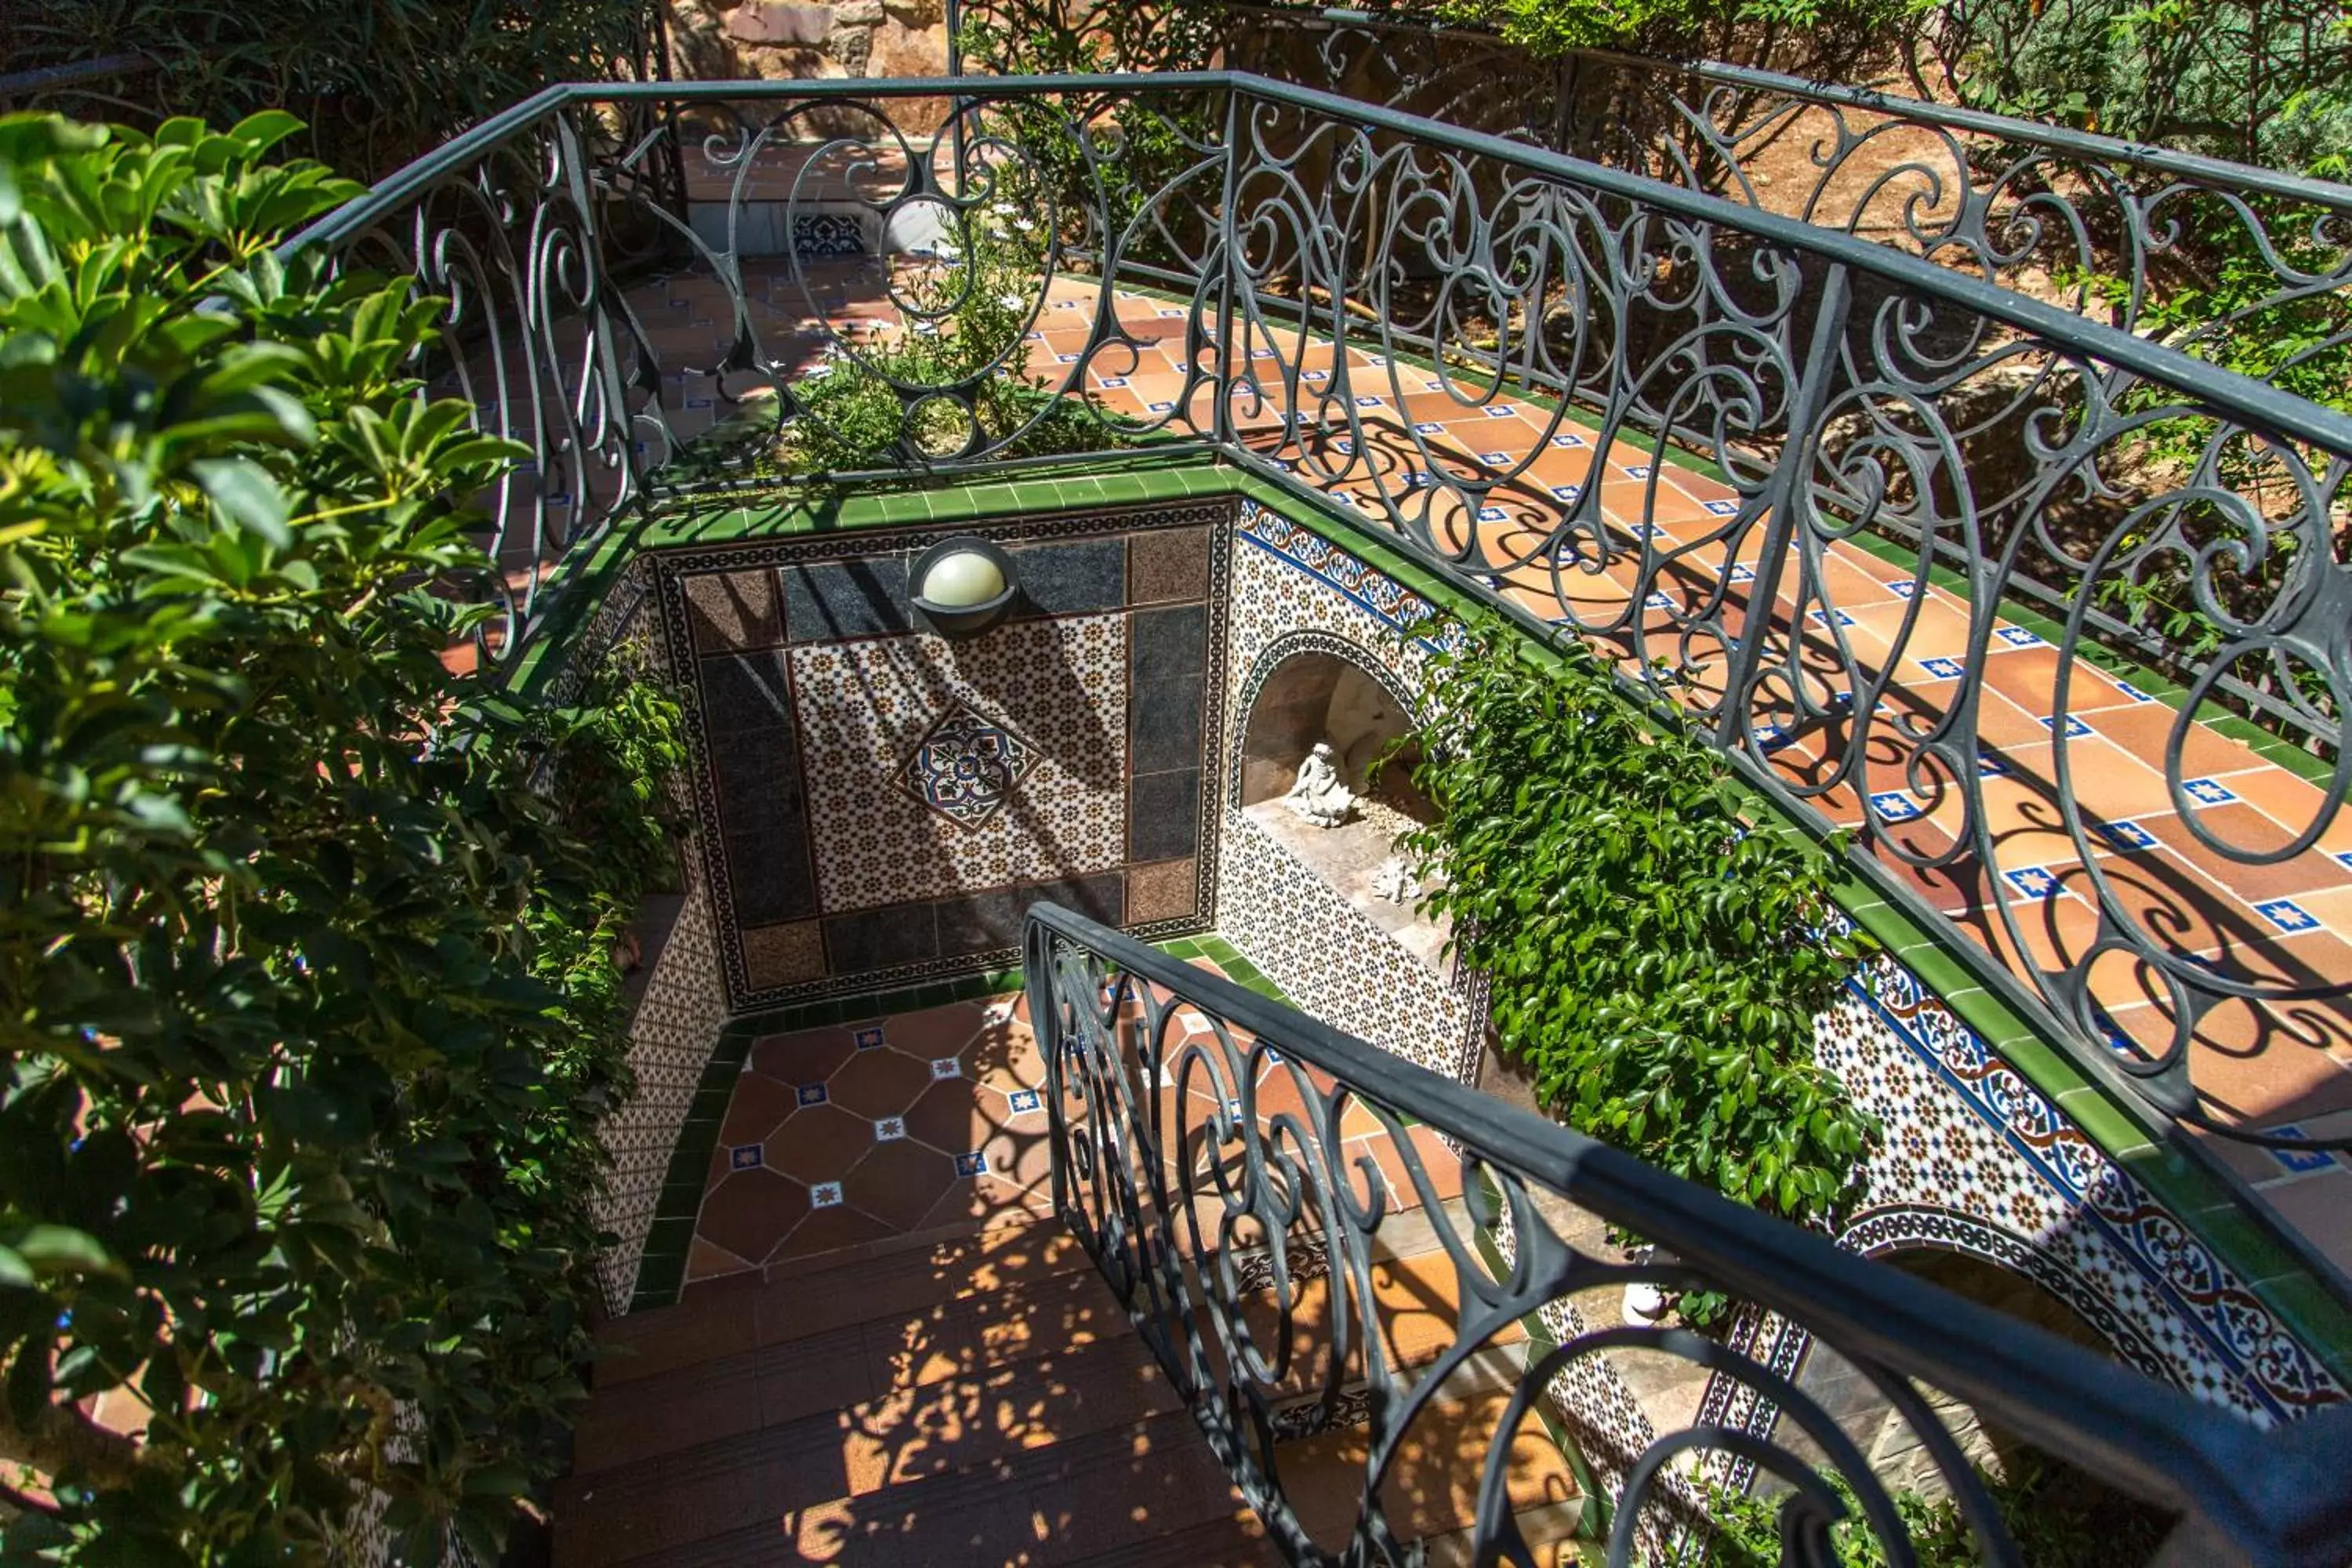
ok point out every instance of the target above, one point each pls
(378, 81)
(1824, 35)
(2262, 81)
(967, 310)
(309, 999)
(2058, 1518)
(1656, 966)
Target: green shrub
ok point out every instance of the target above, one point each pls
(379, 80)
(310, 996)
(1656, 966)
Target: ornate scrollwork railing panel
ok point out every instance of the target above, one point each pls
(1245, 1180)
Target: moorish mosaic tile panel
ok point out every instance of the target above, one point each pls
(1976, 1160)
(880, 804)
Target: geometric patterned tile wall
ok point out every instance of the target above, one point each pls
(879, 805)
(1976, 1159)
(677, 1023)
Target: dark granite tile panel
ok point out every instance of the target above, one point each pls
(734, 610)
(745, 691)
(1085, 577)
(1163, 722)
(1165, 643)
(876, 939)
(759, 777)
(1166, 563)
(769, 873)
(980, 921)
(1163, 816)
(866, 597)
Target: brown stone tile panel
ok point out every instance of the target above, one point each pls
(1166, 889)
(731, 611)
(783, 954)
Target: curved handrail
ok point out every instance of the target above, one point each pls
(1102, 1003)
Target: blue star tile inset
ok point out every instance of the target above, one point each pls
(2017, 636)
(1429, 427)
(967, 765)
(1496, 460)
(2208, 792)
(1568, 439)
(1566, 492)
(2287, 915)
(867, 1038)
(1722, 508)
(2075, 728)
(826, 1195)
(745, 1157)
(2299, 1159)
(2125, 837)
(811, 1094)
(1895, 805)
(1943, 668)
(2034, 881)
(1025, 1101)
(972, 1164)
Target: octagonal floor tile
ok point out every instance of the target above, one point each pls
(810, 1056)
(879, 1082)
(821, 1144)
(900, 1182)
(952, 1115)
(756, 1108)
(749, 1211)
(936, 1031)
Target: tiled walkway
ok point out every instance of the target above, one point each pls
(2263, 1065)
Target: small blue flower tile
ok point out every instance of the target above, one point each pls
(2075, 728)
(1992, 767)
(826, 1195)
(1501, 410)
(1568, 439)
(946, 1067)
(809, 1094)
(1722, 508)
(1943, 668)
(2017, 636)
(746, 1157)
(1895, 807)
(867, 1038)
(1496, 460)
(1639, 470)
(2034, 881)
(2298, 1160)
(972, 1164)
(1365, 400)
(2134, 692)
(1066, 359)
(1025, 1102)
(2287, 915)
(1743, 574)
(2208, 792)
(890, 1129)
(1162, 407)
(1429, 427)
(1566, 492)
(1110, 381)
(2125, 838)
(1492, 514)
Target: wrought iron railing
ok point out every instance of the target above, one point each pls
(1321, 265)
(1245, 1179)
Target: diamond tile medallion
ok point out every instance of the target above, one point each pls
(967, 765)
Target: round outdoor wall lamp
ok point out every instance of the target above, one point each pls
(963, 586)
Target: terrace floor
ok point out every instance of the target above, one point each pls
(2272, 1065)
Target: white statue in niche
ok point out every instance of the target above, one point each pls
(1319, 797)
(1394, 881)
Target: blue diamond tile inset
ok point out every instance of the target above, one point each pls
(1162, 407)
(2299, 1159)
(1501, 410)
(1903, 590)
(826, 1195)
(1943, 668)
(2287, 915)
(1568, 439)
(1566, 492)
(972, 1164)
(2125, 838)
(2075, 728)
(2208, 792)
(946, 1067)
(1367, 400)
(1429, 427)
(1498, 460)
(1722, 508)
(1895, 807)
(745, 1157)
(890, 1129)
(1025, 1102)
(1743, 574)
(966, 765)
(868, 1039)
(2017, 636)
(2034, 881)
(2344, 858)
(1492, 514)
(1638, 470)
(1991, 767)
(2134, 692)
(809, 1094)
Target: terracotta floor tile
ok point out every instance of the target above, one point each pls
(898, 1182)
(707, 1260)
(879, 1082)
(755, 1109)
(2144, 730)
(935, 1031)
(751, 1211)
(951, 1115)
(2320, 1206)
(810, 1056)
(2241, 828)
(827, 1229)
(821, 1144)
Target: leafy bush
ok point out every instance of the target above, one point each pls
(1812, 38)
(1656, 966)
(2059, 1519)
(310, 998)
(379, 80)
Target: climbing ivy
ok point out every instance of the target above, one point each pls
(1654, 964)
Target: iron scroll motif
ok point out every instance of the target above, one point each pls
(1320, 266)
(1205, 1141)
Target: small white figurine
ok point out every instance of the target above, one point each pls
(1393, 882)
(1318, 797)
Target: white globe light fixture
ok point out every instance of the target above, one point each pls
(962, 586)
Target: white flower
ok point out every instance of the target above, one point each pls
(1023, 224)
(1011, 301)
(1004, 209)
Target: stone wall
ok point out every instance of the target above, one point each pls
(777, 40)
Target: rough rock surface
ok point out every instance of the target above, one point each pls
(786, 40)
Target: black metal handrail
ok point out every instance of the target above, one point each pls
(1202, 1164)
(1839, 384)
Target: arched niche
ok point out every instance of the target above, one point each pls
(1311, 687)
